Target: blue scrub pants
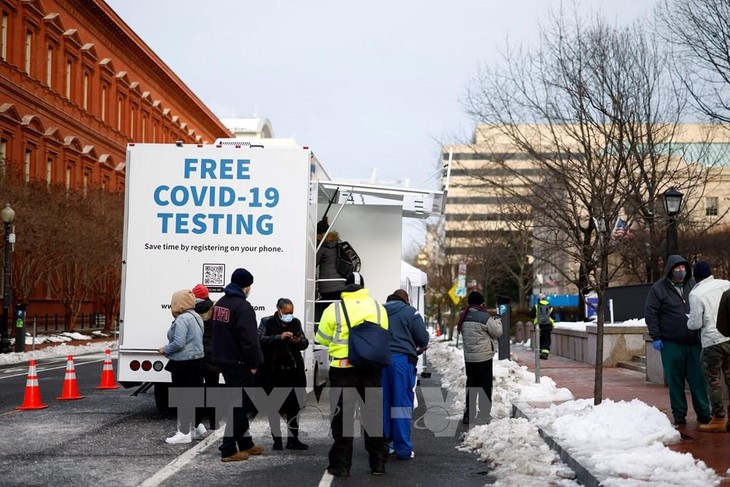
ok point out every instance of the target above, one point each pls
(398, 381)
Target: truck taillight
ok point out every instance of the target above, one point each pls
(158, 365)
(146, 365)
(134, 365)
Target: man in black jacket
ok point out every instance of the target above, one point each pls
(666, 312)
(237, 352)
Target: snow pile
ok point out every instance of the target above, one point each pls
(60, 350)
(513, 383)
(519, 457)
(621, 443)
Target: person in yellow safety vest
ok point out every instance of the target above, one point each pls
(343, 377)
(542, 316)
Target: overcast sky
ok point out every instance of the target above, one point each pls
(367, 85)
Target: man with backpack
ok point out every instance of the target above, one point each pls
(541, 316)
(356, 307)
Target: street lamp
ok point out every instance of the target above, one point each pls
(672, 206)
(8, 215)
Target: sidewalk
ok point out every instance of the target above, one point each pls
(624, 385)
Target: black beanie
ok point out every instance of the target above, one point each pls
(475, 297)
(702, 270)
(242, 278)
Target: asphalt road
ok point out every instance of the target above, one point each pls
(113, 438)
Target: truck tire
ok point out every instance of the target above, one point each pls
(162, 397)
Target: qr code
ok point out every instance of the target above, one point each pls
(214, 275)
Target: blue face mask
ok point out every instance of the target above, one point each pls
(677, 274)
(286, 318)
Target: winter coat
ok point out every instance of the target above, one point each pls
(533, 312)
(479, 334)
(185, 335)
(407, 329)
(704, 302)
(333, 331)
(204, 308)
(235, 334)
(283, 362)
(667, 307)
(327, 264)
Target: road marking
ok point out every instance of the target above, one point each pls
(326, 480)
(174, 466)
(43, 368)
(8, 371)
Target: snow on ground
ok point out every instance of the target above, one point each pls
(60, 350)
(581, 325)
(621, 443)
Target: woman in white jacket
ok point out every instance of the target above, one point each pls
(184, 352)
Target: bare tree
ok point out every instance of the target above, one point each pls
(107, 212)
(700, 31)
(583, 108)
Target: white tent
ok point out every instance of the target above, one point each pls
(413, 280)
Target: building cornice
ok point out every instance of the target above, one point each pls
(97, 13)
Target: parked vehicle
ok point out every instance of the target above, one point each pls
(194, 213)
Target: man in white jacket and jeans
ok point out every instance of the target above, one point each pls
(704, 301)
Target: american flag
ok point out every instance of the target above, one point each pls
(620, 229)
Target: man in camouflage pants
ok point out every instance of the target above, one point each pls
(705, 310)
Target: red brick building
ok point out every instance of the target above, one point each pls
(76, 85)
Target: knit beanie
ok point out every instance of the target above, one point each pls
(702, 270)
(200, 292)
(354, 279)
(242, 278)
(475, 297)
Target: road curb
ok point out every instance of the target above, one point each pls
(581, 473)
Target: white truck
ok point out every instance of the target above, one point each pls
(196, 212)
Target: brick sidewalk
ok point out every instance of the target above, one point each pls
(624, 385)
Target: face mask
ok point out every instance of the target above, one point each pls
(287, 318)
(677, 274)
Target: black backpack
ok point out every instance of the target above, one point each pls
(347, 259)
(543, 314)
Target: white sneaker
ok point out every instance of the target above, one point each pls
(198, 432)
(179, 438)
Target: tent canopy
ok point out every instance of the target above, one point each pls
(415, 276)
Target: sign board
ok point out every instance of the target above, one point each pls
(195, 214)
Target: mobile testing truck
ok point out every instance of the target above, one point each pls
(196, 212)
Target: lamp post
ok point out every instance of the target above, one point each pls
(8, 215)
(672, 206)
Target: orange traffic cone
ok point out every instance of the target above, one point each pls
(32, 399)
(70, 386)
(438, 330)
(107, 373)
